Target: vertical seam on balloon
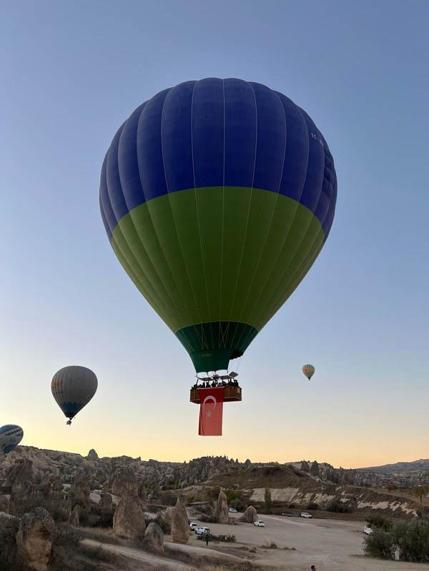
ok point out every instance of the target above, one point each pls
(304, 266)
(221, 339)
(271, 300)
(201, 328)
(301, 113)
(285, 243)
(286, 246)
(304, 263)
(127, 260)
(256, 301)
(236, 328)
(298, 274)
(172, 280)
(332, 203)
(109, 200)
(248, 213)
(171, 209)
(332, 184)
(118, 230)
(104, 197)
(141, 281)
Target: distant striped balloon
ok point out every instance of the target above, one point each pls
(10, 436)
(308, 371)
(73, 387)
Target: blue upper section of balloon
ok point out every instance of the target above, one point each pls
(216, 132)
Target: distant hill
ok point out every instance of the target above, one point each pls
(399, 467)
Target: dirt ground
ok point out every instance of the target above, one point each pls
(147, 560)
(329, 545)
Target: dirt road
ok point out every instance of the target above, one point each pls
(149, 560)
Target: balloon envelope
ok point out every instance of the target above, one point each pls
(308, 371)
(73, 387)
(217, 196)
(10, 436)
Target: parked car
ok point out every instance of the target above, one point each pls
(202, 530)
(259, 523)
(232, 510)
(193, 525)
(306, 515)
(367, 530)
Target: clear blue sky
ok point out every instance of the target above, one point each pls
(71, 72)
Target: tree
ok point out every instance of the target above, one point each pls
(268, 500)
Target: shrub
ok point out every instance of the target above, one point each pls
(313, 506)
(379, 544)
(336, 506)
(235, 500)
(411, 539)
(270, 545)
(224, 538)
(232, 495)
(379, 522)
(268, 500)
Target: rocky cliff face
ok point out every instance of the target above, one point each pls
(35, 539)
(8, 530)
(59, 481)
(221, 510)
(179, 523)
(28, 467)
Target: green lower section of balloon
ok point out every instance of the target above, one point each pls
(217, 254)
(212, 345)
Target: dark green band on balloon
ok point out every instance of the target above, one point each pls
(212, 345)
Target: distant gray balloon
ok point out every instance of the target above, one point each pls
(10, 436)
(73, 387)
(308, 371)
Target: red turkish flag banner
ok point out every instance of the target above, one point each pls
(211, 409)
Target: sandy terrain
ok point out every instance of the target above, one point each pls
(149, 560)
(330, 545)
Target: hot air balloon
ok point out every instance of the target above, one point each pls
(10, 436)
(217, 196)
(308, 371)
(73, 387)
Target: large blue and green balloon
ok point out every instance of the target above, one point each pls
(217, 196)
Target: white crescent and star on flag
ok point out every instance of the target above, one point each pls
(207, 409)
